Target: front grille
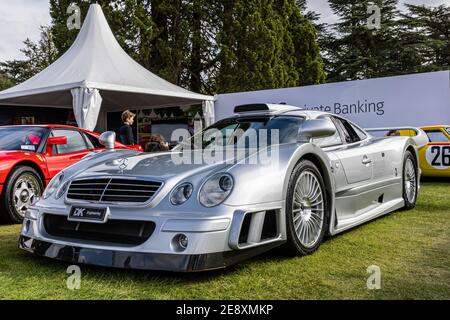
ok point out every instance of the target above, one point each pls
(113, 190)
(113, 231)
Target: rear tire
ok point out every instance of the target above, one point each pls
(307, 210)
(21, 187)
(410, 181)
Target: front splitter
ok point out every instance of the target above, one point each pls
(138, 260)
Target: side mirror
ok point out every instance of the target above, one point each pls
(53, 141)
(315, 128)
(108, 139)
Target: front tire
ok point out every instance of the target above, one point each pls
(21, 188)
(307, 210)
(410, 181)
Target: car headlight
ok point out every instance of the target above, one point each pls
(181, 194)
(216, 189)
(53, 185)
(62, 190)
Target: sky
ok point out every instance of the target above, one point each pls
(20, 19)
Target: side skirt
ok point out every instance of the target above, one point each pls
(381, 210)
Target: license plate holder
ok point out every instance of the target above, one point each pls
(88, 214)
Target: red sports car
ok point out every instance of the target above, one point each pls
(31, 155)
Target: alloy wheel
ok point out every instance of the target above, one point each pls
(308, 209)
(26, 189)
(410, 180)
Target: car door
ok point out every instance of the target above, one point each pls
(353, 164)
(378, 153)
(355, 156)
(62, 156)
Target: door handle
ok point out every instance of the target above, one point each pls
(366, 160)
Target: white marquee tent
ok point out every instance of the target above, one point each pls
(95, 75)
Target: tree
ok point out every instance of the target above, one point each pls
(304, 30)
(166, 48)
(249, 47)
(355, 50)
(5, 82)
(426, 33)
(266, 44)
(416, 41)
(37, 57)
(312, 16)
(204, 27)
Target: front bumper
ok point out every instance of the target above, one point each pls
(214, 239)
(138, 260)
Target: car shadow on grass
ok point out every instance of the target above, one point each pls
(48, 265)
(439, 180)
(132, 274)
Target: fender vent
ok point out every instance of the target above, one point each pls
(269, 230)
(269, 226)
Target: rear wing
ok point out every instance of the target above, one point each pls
(419, 136)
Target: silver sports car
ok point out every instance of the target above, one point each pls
(271, 175)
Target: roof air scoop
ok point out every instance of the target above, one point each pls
(258, 107)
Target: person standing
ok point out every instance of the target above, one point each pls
(126, 135)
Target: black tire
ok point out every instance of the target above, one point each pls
(293, 246)
(8, 212)
(410, 203)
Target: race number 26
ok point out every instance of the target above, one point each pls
(439, 156)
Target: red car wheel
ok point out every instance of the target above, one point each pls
(21, 188)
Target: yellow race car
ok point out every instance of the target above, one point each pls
(434, 157)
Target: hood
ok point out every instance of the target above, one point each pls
(161, 166)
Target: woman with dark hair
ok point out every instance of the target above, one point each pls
(157, 143)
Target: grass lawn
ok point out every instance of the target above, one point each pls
(412, 248)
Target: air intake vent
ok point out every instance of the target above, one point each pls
(113, 231)
(258, 107)
(113, 190)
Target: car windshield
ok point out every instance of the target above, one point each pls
(437, 136)
(247, 132)
(21, 138)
